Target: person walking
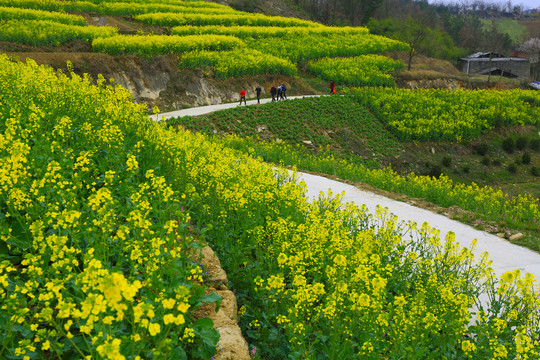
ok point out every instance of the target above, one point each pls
(258, 91)
(273, 92)
(332, 87)
(279, 96)
(283, 91)
(243, 97)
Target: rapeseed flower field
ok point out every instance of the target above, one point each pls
(98, 210)
(101, 208)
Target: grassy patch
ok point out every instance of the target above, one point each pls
(514, 29)
(335, 123)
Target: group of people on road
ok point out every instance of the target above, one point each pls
(278, 93)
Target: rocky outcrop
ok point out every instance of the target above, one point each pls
(143, 86)
(232, 345)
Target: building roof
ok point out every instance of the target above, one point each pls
(494, 59)
(479, 55)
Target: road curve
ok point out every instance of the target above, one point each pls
(504, 255)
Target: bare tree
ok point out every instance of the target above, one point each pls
(414, 32)
(532, 47)
(495, 43)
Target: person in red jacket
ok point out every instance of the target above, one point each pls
(332, 87)
(243, 97)
(273, 92)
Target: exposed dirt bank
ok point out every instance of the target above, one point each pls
(157, 81)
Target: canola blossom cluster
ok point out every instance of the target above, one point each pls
(150, 45)
(365, 70)
(237, 63)
(360, 286)
(10, 13)
(48, 32)
(94, 243)
(453, 115)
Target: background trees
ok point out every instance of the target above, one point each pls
(445, 31)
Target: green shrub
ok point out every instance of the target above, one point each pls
(535, 171)
(526, 158)
(481, 149)
(512, 168)
(521, 142)
(435, 171)
(447, 161)
(466, 169)
(509, 145)
(497, 162)
(534, 144)
(486, 161)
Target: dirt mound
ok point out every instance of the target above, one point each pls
(70, 47)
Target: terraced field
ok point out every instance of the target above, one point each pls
(207, 29)
(102, 209)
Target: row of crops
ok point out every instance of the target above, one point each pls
(98, 206)
(46, 32)
(150, 45)
(255, 43)
(9, 13)
(107, 7)
(365, 70)
(237, 63)
(438, 114)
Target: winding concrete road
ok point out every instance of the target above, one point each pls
(211, 108)
(504, 255)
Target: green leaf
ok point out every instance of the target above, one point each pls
(274, 334)
(204, 323)
(27, 333)
(204, 328)
(212, 298)
(5, 255)
(178, 353)
(20, 236)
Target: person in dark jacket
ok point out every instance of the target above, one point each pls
(332, 87)
(283, 92)
(279, 96)
(258, 91)
(273, 92)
